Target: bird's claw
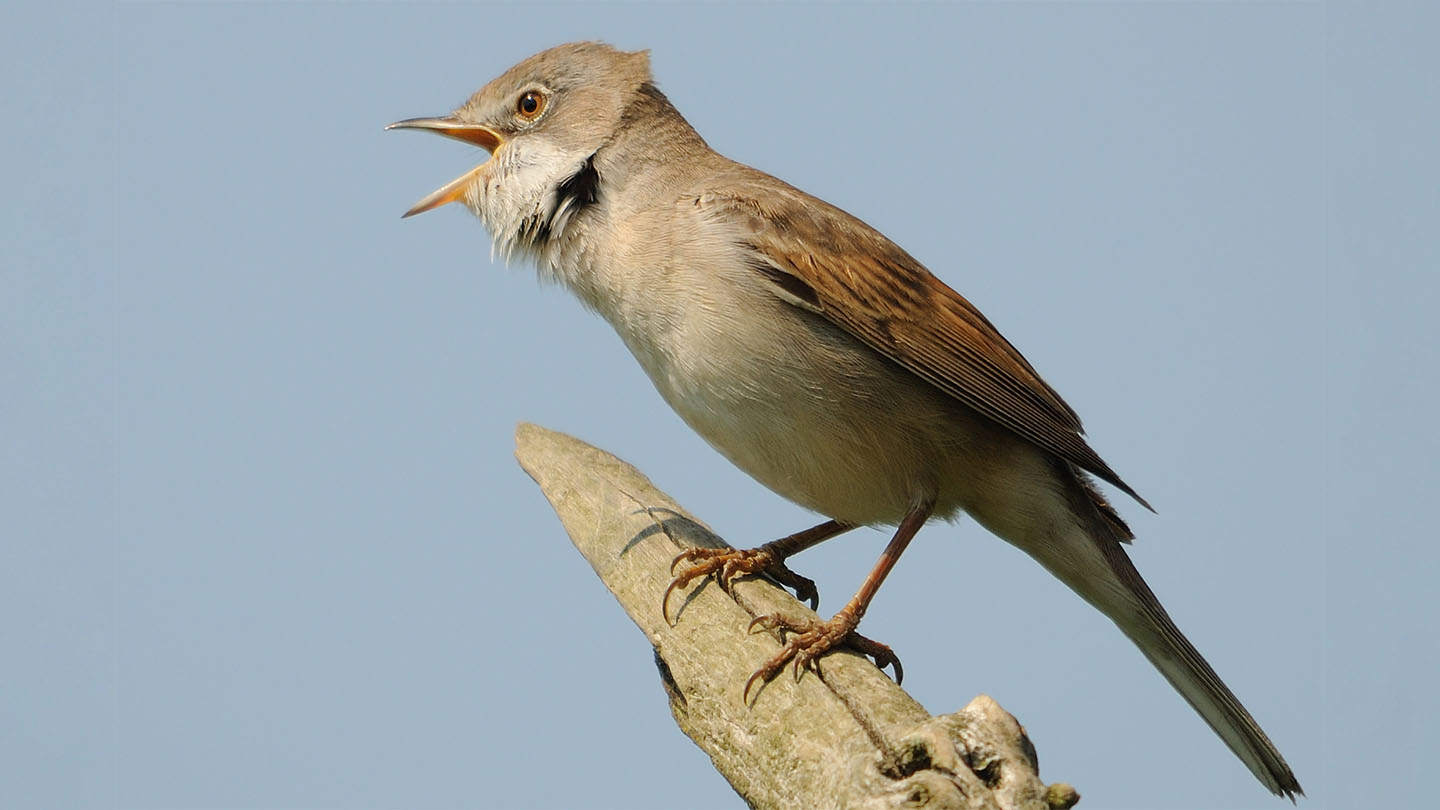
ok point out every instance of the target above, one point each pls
(811, 639)
(728, 564)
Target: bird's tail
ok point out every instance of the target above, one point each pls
(1130, 603)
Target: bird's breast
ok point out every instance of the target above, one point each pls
(792, 400)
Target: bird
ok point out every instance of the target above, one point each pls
(811, 351)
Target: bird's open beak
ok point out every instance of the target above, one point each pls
(451, 127)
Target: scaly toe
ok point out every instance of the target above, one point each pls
(726, 565)
(881, 654)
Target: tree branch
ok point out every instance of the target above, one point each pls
(851, 739)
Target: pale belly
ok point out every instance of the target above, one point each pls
(817, 417)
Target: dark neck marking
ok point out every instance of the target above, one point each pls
(574, 194)
(580, 189)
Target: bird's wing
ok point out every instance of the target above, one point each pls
(827, 261)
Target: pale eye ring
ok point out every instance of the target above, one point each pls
(530, 104)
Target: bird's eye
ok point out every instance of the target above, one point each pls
(530, 104)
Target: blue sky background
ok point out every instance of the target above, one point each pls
(267, 546)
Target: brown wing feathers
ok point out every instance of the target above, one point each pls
(868, 286)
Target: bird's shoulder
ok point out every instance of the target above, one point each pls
(824, 259)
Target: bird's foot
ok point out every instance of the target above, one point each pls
(728, 564)
(813, 638)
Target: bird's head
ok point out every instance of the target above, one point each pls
(542, 121)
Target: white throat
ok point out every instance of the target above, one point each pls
(519, 197)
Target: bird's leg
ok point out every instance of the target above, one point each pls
(726, 564)
(814, 638)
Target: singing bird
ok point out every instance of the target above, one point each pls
(811, 351)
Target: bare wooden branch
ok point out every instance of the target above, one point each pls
(852, 739)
